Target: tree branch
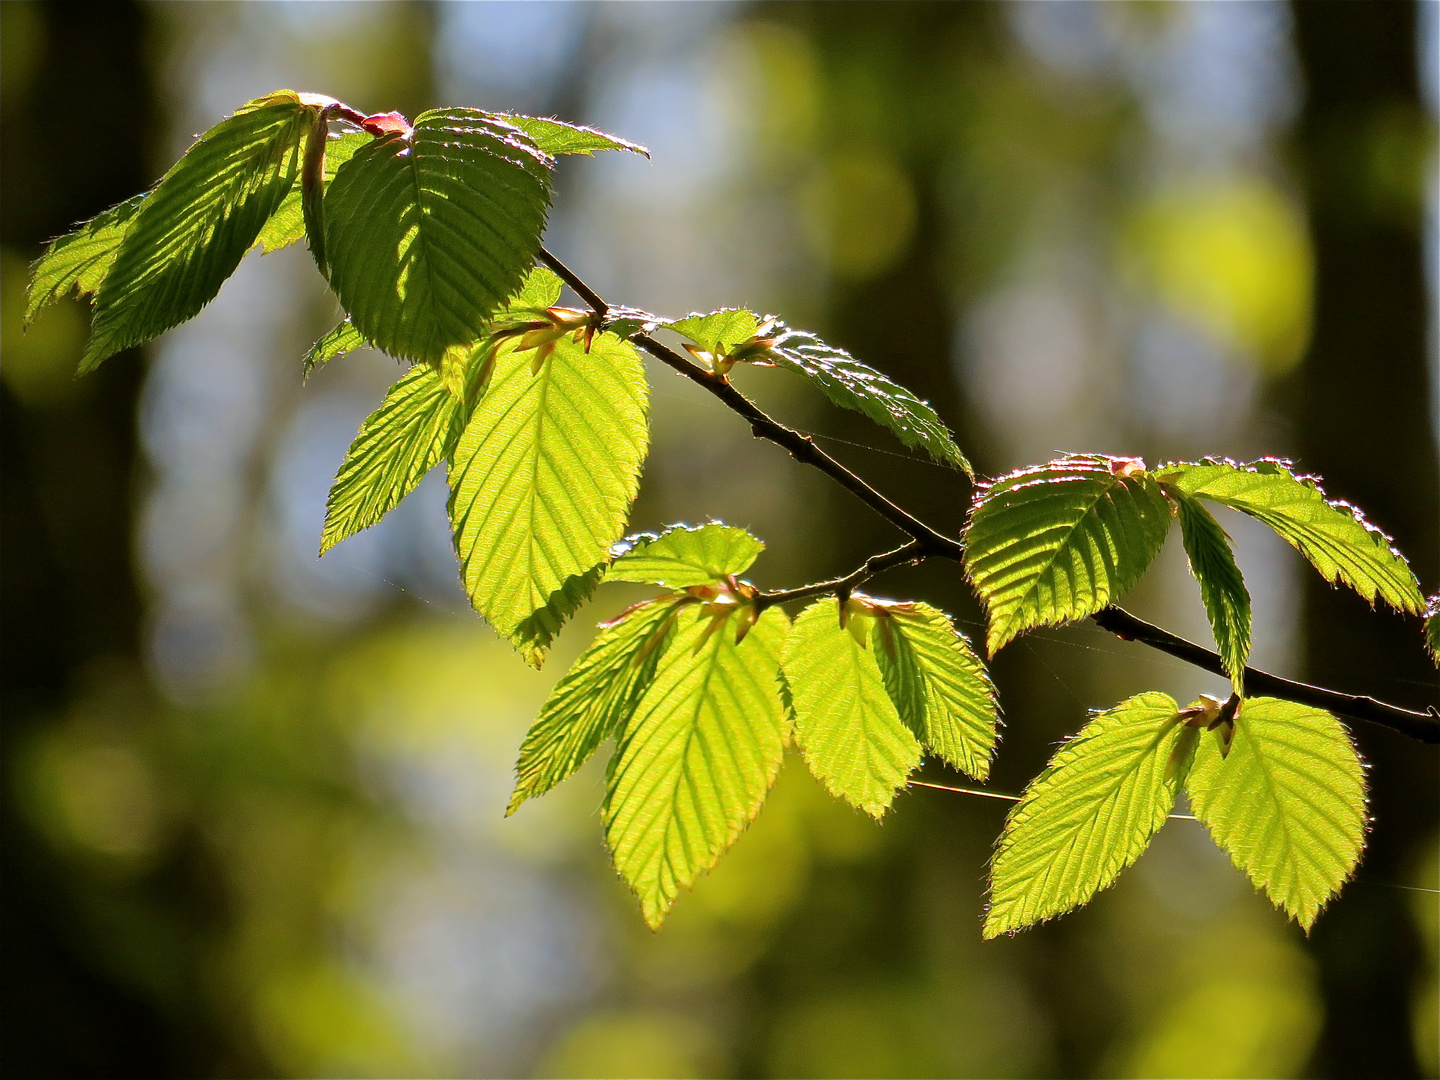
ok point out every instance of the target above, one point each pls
(912, 552)
(926, 542)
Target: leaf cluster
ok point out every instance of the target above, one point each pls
(428, 234)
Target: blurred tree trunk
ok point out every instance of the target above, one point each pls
(74, 121)
(1362, 423)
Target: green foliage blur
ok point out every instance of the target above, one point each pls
(253, 802)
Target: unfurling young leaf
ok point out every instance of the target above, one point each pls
(939, 686)
(695, 762)
(1058, 542)
(427, 235)
(1334, 536)
(333, 344)
(846, 725)
(685, 555)
(542, 479)
(81, 258)
(1090, 814)
(1227, 601)
(191, 232)
(853, 385)
(557, 137)
(1287, 802)
(597, 695)
(718, 331)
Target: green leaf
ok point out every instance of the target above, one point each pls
(1089, 815)
(939, 686)
(598, 694)
(427, 236)
(853, 385)
(542, 479)
(192, 231)
(1287, 803)
(397, 445)
(685, 555)
(287, 225)
(557, 137)
(845, 723)
(1334, 536)
(698, 757)
(719, 331)
(81, 258)
(534, 636)
(1057, 542)
(1432, 628)
(333, 344)
(1222, 588)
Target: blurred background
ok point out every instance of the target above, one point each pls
(252, 800)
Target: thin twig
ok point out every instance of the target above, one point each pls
(912, 552)
(926, 543)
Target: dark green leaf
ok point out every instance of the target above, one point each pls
(853, 385)
(287, 225)
(192, 231)
(1057, 542)
(80, 259)
(1432, 628)
(1227, 601)
(427, 236)
(557, 137)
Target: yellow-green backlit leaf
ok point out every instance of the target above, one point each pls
(334, 343)
(79, 260)
(685, 555)
(191, 232)
(695, 762)
(1089, 815)
(427, 236)
(845, 723)
(717, 331)
(1222, 588)
(533, 637)
(542, 479)
(1334, 536)
(1287, 803)
(597, 695)
(397, 445)
(1057, 542)
(939, 686)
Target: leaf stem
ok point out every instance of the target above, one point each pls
(926, 542)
